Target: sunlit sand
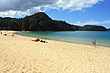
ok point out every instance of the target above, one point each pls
(18, 54)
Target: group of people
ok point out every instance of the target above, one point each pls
(38, 40)
(6, 34)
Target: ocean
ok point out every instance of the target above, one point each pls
(83, 37)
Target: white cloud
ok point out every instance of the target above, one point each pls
(12, 13)
(15, 8)
(91, 22)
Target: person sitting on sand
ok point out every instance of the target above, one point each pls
(37, 40)
(5, 34)
(43, 41)
(94, 43)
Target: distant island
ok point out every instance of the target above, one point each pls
(42, 22)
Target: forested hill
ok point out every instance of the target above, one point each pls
(7, 18)
(42, 22)
(108, 29)
(92, 28)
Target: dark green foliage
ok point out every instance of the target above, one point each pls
(76, 28)
(92, 28)
(41, 22)
(7, 18)
(10, 25)
(63, 26)
(109, 29)
(37, 22)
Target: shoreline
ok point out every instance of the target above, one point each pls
(17, 33)
(10, 32)
(60, 40)
(18, 54)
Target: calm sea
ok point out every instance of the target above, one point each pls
(84, 37)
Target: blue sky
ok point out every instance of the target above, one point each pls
(75, 12)
(98, 14)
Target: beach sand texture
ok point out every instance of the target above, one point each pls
(18, 54)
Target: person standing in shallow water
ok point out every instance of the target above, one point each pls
(94, 43)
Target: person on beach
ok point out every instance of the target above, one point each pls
(12, 34)
(36, 40)
(1, 32)
(43, 41)
(5, 34)
(94, 43)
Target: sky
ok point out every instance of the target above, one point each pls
(74, 12)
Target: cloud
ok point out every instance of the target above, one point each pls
(91, 22)
(12, 13)
(22, 5)
(76, 4)
(15, 8)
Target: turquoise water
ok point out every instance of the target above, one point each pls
(84, 37)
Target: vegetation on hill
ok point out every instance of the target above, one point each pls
(42, 22)
(92, 28)
(63, 26)
(108, 29)
(7, 18)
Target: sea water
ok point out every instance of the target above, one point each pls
(84, 37)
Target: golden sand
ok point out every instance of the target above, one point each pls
(18, 54)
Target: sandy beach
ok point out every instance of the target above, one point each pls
(18, 54)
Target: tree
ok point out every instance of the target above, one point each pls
(109, 29)
(42, 22)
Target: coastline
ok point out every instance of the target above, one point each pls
(20, 54)
(76, 41)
